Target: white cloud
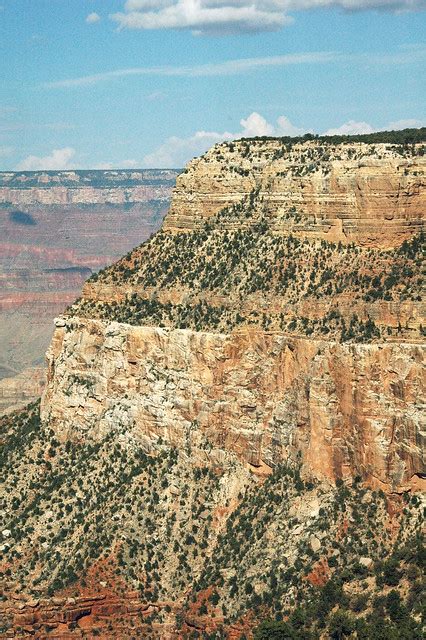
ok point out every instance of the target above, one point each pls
(93, 17)
(204, 16)
(58, 159)
(350, 128)
(286, 128)
(403, 55)
(355, 5)
(176, 152)
(410, 123)
(256, 125)
(230, 16)
(226, 68)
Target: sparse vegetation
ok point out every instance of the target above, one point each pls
(85, 513)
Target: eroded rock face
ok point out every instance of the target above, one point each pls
(367, 194)
(346, 408)
(349, 409)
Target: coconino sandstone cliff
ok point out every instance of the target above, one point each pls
(231, 431)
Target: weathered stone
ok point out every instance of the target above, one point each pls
(376, 198)
(366, 562)
(332, 402)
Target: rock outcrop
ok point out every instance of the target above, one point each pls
(367, 194)
(248, 308)
(102, 540)
(348, 409)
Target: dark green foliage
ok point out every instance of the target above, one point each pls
(402, 137)
(277, 631)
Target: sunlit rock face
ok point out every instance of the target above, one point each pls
(362, 193)
(342, 407)
(347, 409)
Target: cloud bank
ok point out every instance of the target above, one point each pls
(219, 17)
(57, 160)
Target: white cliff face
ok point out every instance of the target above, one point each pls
(83, 195)
(85, 187)
(348, 409)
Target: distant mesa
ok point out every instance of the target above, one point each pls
(21, 217)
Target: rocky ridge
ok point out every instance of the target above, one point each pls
(370, 194)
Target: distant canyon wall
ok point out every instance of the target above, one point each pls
(85, 187)
(56, 228)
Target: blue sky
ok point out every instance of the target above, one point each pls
(145, 83)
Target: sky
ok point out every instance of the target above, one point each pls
(153, 83)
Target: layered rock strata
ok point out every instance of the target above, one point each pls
(276, 260)
(367, 194)
(85, 187)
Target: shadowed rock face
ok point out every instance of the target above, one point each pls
(348, 409)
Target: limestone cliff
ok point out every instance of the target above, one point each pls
(349, 409)
(357, 192)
